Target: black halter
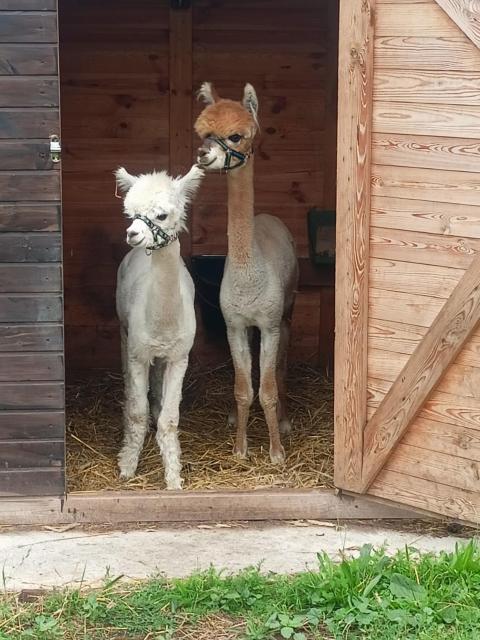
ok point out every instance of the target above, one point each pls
(230, 154)
(160, 238)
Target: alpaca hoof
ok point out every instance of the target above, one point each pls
(126, 465)
(285, 426)
(277, 456)
(240, 452)
(174, 485)
(126, 474)
(232, 418)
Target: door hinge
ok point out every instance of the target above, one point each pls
(55, 148)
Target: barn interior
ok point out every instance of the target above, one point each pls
(129, 75)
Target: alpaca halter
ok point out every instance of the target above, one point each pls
(230, 154)
(157, 234)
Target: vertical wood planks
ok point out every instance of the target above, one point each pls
(31, 304)
(180, 62)
(353, 212)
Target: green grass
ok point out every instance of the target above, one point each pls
(376, 597)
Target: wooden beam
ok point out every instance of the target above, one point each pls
(420, 375)
(193, 506)
(181, 131)
(353, 213)
(466, 15)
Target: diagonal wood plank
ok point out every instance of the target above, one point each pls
(466, 15)
(421, 373)
(353, 206)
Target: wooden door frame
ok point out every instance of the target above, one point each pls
(355, 85)
(362, 447)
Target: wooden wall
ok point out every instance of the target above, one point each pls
(31, 342)
(129, 75)
(425, 229)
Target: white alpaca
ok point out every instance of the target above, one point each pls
(155, 296)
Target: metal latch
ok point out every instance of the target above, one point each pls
(55, 148)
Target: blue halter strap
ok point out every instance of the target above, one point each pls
(160, 238)
(231, 154)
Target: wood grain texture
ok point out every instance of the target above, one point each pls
(115, 110)
(29, 91)
(443, 437)
(430, 496)
(450, 53)
(411, 277)
(353, 208)
(29, 217)
(194, 507)
(28, 5)
(451, 154)
(400, 19)
(22, 396)
(428, 217)
(443, 468)
(32, 482)
(27, 367)
(460, 379)
(422, 372)
(18, 454)
(28, 27)
(31, 425)
(26, 278)
(27, 186)
(456, 121)
(465, 14)
(423, 248)
(30, 123)
(400, 337)
(30, 247)
(20, 155)
(442, 408)
(31, 337)
(458, 187)
(432, 87)
(31, 308)
(180, 108)
(17, 59)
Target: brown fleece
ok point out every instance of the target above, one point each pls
(223, 118)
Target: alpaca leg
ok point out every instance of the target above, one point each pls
(232, 416)
(269, 392)
(167, 426)
(123, 350)
(243, 391)
(135, 416)
(157, 371)
(284, 423)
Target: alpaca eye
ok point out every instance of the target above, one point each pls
(162, 216)
(236, 137)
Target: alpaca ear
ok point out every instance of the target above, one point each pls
(188, 185)
(207, 93)
(250, 100)
(124, 179)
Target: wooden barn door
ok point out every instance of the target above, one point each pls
(31, 342)
(407, 410)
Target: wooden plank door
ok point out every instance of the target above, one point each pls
(407, 409)
(31, 343)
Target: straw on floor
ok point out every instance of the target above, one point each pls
(94, 434)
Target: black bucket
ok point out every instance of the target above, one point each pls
(207, 273)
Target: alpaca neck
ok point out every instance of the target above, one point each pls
(164, 295)
(240, 214)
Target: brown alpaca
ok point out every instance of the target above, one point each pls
(261, 270)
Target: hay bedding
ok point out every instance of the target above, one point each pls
(94, 435)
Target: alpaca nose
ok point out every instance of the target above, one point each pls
(202, 152)
(132, 234)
